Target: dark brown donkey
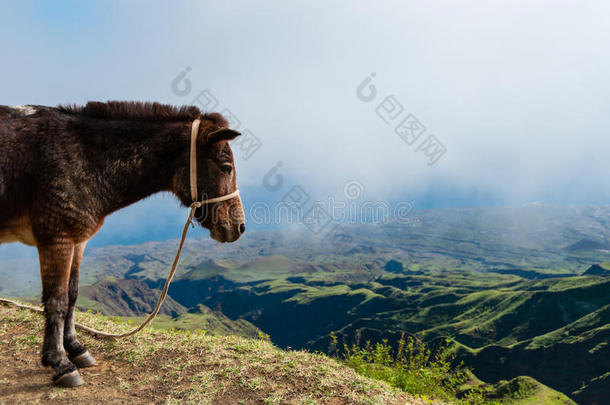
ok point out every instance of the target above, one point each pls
(63, 170)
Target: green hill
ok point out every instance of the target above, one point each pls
(203, 318)
(526, 391)
(128, 297)
(602, 269)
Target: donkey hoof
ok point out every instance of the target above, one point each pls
(84, 360)
(69, 380)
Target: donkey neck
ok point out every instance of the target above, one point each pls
(136, 159)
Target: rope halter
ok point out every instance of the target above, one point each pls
(198, 204)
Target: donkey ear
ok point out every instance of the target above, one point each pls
(224, 134)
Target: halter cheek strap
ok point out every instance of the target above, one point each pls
(197, 204)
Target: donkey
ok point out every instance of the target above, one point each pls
(64, 169)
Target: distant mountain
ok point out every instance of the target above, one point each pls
(361, 249)
(274, 262)
(531, 274)
(135, 299)
(125, 297)
(602, 269)
(394, 266)
(587, 244)
(205, 269)
(202, 317)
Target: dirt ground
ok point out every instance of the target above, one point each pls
(24, 380)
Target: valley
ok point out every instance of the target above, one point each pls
(518, 291)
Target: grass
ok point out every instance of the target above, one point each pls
(418, 369)
(414, 368)
(525, 391)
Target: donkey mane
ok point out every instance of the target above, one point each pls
(134, 110)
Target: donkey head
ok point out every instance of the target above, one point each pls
(216, 177)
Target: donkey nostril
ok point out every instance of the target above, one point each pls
(242, 228)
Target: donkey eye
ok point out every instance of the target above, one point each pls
(226, 168)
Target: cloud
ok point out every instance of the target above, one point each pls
(515, 91)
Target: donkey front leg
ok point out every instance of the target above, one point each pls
(77, 352)
(55, 265)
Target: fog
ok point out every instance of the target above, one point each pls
(515, 93)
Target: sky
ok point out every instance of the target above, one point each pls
(513, 96)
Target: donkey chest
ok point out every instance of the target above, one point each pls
(17, 230)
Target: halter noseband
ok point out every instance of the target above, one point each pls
(197, 204)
